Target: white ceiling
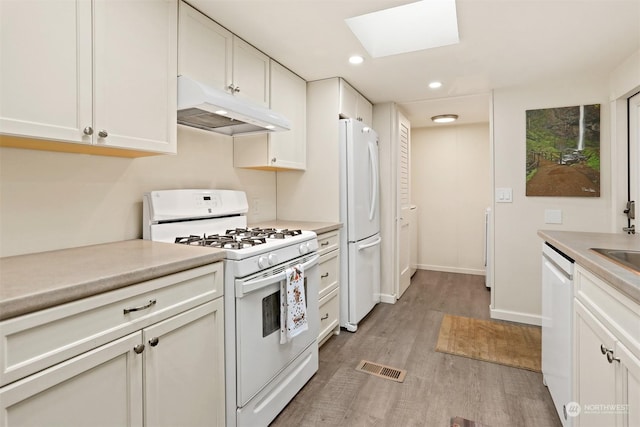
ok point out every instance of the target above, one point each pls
(502, 43)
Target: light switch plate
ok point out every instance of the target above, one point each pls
(553, 216)
(504, 195)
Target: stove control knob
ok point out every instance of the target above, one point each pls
(263, 262)
(304, 248)
(273, 259)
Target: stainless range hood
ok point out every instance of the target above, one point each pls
(215, 110)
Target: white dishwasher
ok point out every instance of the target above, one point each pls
(557, 315)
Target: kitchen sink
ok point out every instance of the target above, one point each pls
(629, 259)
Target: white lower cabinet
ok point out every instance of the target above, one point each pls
(329, 290)
(168, 373)
(606, 355)
(100, 387)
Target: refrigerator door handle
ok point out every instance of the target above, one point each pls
(374, 181)
(368, 245)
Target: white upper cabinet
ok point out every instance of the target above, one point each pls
(45, 69)
(250, 72)
(213, 56)
(205, 49)
(99, 73)
(353, 105)
(278, 150)
(135, 87)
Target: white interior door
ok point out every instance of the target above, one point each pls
(634, 153)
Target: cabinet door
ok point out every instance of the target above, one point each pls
(595, 377)
(630, 371)
(135, 70)
(205, 49)
(364, 110)
(348, 101)
(289, 97)
(45, 69)
(100, 387)
(184, 368)
(250, 72)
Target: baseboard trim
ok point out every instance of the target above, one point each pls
(515, 316)
(388, 299)
(445, 269)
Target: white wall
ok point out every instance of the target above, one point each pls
(517, 272)
(450, 174)
(58, 200)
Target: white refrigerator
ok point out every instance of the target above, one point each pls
(360, 216)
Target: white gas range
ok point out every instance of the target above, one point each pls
(262, 374)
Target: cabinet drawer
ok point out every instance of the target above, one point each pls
(328, 241)
(38, 340)
(618, 313)
(329, 311)
(329, 267)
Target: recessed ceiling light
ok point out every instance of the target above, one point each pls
(435, 85)
(356, 59)
(445, 118)
(221, 112)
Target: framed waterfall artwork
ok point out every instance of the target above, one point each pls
(563, 151)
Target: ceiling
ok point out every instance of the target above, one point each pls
(502, 43)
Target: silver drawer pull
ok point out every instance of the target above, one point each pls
(611, 358)
(139, 348)
(324, 275)
(325, 317)
(324, 243)
(154, 341)
(142, 307)
(604, 350)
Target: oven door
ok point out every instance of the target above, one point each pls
(259, 355)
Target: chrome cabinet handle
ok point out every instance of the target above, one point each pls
(88, 130)
(325, 317)
(324, 243)
(139, 348)
(103, 133)
(142, 307)
(324, 275)
(611, 358)
(154, 341)
(234, 89)
(274, 160)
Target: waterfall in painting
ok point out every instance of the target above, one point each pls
(581, 129)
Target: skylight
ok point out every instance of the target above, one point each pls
(416, 26)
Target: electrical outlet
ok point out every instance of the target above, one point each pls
(553, 216)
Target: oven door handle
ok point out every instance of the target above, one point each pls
(243, 288)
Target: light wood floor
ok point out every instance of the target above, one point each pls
(438, 386)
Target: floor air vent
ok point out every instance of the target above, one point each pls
(381, 371)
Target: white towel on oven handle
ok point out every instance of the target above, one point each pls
(293, 304)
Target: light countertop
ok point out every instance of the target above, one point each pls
(315, 226)
(577, 246)
(41, 280)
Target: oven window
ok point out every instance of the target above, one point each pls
(271, 312)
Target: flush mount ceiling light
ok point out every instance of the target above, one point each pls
(435, 85)
(356, 59)
(445, 118)
(415, 26)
